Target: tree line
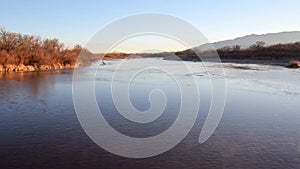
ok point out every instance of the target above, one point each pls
(19, 49)
(257, 51)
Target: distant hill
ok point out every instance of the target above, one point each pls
(278, 49)
(246, 41)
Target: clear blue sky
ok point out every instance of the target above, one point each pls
(75, 22)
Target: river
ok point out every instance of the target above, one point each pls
(259, 128)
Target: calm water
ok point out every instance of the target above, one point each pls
(259, 128)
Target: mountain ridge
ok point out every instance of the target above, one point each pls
(247, 40)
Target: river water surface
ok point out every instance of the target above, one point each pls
(259, 128)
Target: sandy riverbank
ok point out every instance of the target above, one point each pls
(30, 68)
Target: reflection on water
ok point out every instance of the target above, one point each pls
(34, 83)
(259, 128)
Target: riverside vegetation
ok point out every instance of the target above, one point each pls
(32, 53)
(281, 54)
